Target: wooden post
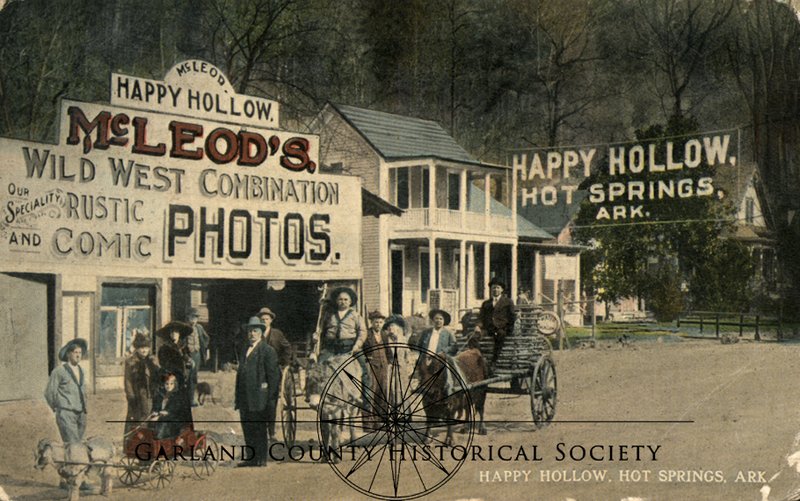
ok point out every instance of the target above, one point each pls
(559, 312)
(741, 325)
(758, 335)
(716, 321)
(594, 320)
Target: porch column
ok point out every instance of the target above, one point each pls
(462, 197)
(431, 267)
(470, 273)
(513, 292)
(486, 259)
(487, 198)
(462, 275)
(537, 278)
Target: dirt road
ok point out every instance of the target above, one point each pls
(699, 415)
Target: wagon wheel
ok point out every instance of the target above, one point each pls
(130, 472)
(543, 387)
(288, 407)
(206, 466)
(161, 473)
(398, 422)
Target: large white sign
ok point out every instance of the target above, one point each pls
(133, 192)
(197, 89)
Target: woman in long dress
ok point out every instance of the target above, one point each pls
(141, 381)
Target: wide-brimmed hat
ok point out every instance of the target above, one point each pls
(497, 281)
(141, 340)
(395, 319)
(71, 344)
(193, 312)
(443, 313)
(255, 322)
(183, 329)
(266, 311)
(348, 290)
(376, 314)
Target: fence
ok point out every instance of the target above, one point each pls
(717, 319)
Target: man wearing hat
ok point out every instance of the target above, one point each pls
(66, 392)
(496, 317)
(437, 339)
(377, 354)
(283, 349)
(196, 346)
(343, 330)
(257, 385)
(141, 381)
(275, 337)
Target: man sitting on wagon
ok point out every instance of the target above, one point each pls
(496, 318)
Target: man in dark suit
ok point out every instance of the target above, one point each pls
(257, 385)
(496, 317)
(275, 338)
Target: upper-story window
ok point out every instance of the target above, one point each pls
(453, 191)
(749, 210)
(410, 187)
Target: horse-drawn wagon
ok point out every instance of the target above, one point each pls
(525, 360)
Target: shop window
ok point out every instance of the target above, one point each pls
(124, 311)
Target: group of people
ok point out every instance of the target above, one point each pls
(164, 389)
(343, 332)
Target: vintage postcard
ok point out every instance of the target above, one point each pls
(450, 250)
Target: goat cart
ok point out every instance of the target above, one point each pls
(525, 360)
(141, 461)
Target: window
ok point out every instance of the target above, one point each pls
(124, 311)
(402, 194)
(424, 272)
(426, 188)
(749, 210)
(453, 191)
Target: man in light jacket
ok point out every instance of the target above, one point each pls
(66, 392)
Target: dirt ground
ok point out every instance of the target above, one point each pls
(738, 407)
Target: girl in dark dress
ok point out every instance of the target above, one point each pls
(171, 409)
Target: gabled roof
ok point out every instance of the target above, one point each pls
(553, 218)
(734, 181)
(396, 137)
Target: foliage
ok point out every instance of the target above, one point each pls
(499, 74)
(682, 245)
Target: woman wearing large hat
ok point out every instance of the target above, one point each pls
(343, 330)
(173, 356)
(141, 381)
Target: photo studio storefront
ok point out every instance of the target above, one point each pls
(178, 194)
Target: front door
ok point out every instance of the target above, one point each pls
(397, 281)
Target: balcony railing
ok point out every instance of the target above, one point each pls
(452, 220)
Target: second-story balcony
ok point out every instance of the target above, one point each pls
(452, 221)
